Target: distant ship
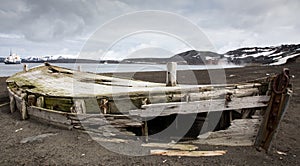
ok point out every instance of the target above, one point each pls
(12, 59)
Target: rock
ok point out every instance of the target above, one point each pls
(20, 129)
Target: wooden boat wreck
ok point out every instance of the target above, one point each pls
(231, 114)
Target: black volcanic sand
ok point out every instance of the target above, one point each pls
(3, 90)
(68, 147)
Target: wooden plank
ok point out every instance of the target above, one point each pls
(12, 103)
(242, 132)
(220, 93)
(67, 114)
(187, 153)
(51, 116)
(110, 140)
(125, 122)
(82, 117)
(171, 146)
(94, 121)
(24, 113)
(17, 100)
(164, 109)
(281, 91)
(271, 120)
(114, 122)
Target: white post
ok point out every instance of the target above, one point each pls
(12, 103)
(23, 106)
(171, 74)
(25, 68)
(40, 102)
(78, 68)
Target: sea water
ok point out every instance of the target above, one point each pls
(8, 70)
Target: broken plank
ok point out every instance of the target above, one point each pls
(114, 122)
(171, 146)
(242, 132)
(94, 121)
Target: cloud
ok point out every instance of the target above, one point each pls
(48, 27)
(146, 44)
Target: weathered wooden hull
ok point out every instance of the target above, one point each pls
(134, 105)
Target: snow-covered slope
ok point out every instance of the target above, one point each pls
(264, 55)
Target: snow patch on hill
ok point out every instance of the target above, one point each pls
(50, 57)
(264, 55)
(283, 60)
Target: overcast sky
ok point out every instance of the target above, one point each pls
(62, 27)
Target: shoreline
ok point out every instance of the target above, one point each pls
(112, 68)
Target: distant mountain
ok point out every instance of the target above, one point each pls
(264, 55)
(275, 55)
(191, 57)
(194, 57)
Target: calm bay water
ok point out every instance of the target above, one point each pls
(8, 70)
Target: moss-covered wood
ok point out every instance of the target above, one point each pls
(59, 104)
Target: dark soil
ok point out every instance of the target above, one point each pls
(68, 146)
